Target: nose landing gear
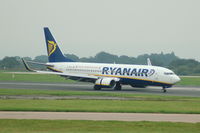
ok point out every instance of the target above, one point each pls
(164, 89)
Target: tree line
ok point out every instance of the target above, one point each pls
(169, 60)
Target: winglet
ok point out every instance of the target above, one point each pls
(27, 67)
(149, 62)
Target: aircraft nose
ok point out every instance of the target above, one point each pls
(176, 79)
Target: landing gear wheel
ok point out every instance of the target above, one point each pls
(118, 87)
(97, 87)
(164, 89)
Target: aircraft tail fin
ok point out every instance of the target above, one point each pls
(54, 52)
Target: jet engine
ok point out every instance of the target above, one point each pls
(105, 83)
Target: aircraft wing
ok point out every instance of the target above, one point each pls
(79, 77)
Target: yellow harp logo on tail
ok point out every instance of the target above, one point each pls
(51, 47)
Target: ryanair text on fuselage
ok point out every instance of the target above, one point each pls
(127, 71)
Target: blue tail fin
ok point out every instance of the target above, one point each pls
(54, 53)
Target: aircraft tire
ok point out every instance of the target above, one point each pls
(164, 89)
(97, 87)
(118, 87)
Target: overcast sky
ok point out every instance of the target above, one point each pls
(86, 27)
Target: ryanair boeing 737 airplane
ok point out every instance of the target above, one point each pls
(104, 75)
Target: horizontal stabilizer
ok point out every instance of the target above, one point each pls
(39, 63)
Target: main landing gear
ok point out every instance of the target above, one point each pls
(96, 87)
(164, 89)
(118, 87)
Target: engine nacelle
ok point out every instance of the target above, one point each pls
(106, 82)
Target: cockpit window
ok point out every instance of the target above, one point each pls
(168, 73)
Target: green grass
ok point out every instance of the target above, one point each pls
(192, 106)
(39, 92)
(139, 103)
(77, 126)
(32, 77)
(190, 81)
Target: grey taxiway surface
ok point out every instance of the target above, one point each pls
(176, 90)
(189, 118)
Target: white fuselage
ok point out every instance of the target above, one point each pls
(127, 74)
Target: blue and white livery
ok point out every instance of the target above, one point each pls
(105, 75)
